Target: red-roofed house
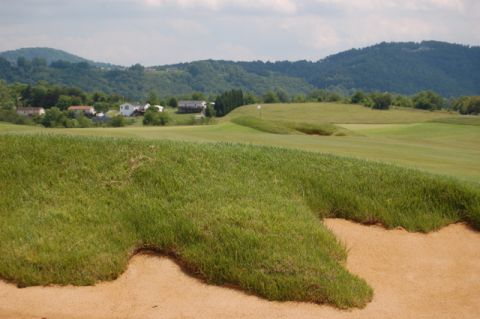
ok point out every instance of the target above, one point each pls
(88, 110)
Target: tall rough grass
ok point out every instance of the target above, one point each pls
(74, 209)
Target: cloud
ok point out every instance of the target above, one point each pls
(156, 32)
(283, 6)
(397, 4)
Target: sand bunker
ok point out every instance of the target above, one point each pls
(414, 276)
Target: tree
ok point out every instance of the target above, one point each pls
(23, 64)
(39, 62)
(321, 95)
(153, 98)
(173, 102)
(228, 101)
(402, 101)
(153, 117)
(467, 105)
(198, 96)
(16, 90)
(428, 100)
(6, 96)
(381, 101)
(118, 121)
(358, 98)
(54, 118)
(270, 97)
(137, 68)
(210, 111)
(99, 97)
(248, 99)
(102, 106)
(299, 98)
(282, 96)
(64, 101)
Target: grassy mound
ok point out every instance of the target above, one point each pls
(263, 125)
(74, 209)
(283, 127)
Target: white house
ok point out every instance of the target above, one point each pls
(158, 107)
(31, 111)
(191, 106)
(144, 108)
(128, 109)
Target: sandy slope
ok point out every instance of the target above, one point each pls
(414, 276)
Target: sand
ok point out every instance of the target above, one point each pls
(414, 276)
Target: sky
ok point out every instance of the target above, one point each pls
(157, 32)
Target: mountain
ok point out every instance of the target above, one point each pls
(405, 67)
(49, 55)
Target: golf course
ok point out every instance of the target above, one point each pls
(261, 200)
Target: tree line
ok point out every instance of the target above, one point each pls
(424, 100)
(56, 99)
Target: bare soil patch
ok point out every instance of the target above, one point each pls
(414, 275)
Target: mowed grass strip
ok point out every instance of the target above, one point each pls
(74, 209)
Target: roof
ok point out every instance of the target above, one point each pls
(191, 101)
(80, 107)
(130, 104)
(192, 104)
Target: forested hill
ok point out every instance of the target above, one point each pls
(407, 67)
(449, 69)
(49, 55)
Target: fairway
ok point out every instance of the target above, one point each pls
(421, 140)
(338, 113)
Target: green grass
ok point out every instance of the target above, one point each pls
(283, 127)
(464, 120)
(263, 125)
(74, 209)
(180, 118)
(438, 148)
(338, 114)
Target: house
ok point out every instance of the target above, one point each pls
(30, 111)
(128, 109)
(191, 106)
(87, 110)
(158, 107)
(144, 108)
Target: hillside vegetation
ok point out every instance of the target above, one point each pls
(74, 209)
(405, 67)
